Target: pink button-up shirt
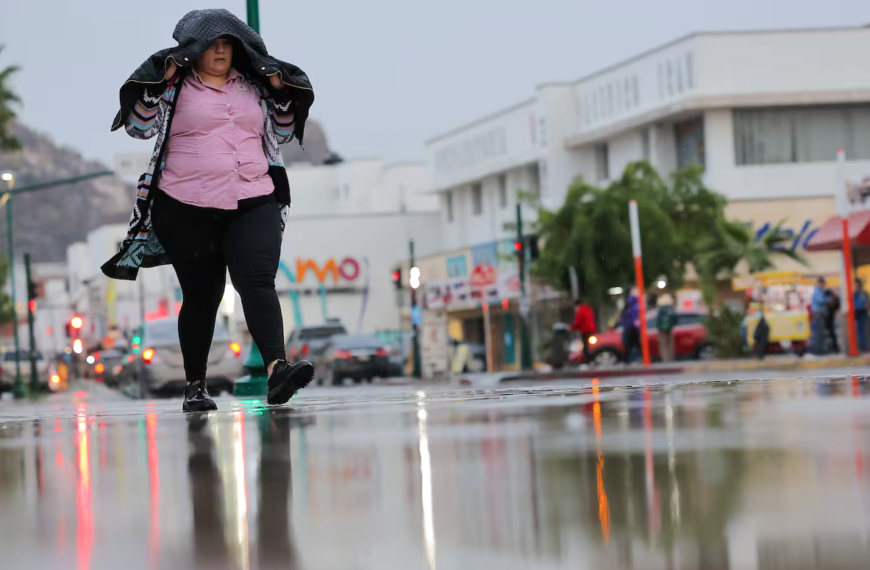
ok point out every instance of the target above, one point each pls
(215, 156)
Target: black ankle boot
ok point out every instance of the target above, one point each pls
(287, 379)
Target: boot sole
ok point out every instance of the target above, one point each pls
(299, 378)
(201, 407)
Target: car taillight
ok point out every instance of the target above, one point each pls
(148, 355)
(100, 368)
(382, 352)
(304, 350)
(342, 355)
(236, 348)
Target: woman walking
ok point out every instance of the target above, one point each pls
(216, 196)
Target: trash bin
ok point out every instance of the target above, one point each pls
(560, 346)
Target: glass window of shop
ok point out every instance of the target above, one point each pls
(801, 134)
(690, 142)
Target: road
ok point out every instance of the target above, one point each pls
(683, 473)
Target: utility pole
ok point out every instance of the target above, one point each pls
(418, 369)
(254, 15)
(31, 306)
(525, 347)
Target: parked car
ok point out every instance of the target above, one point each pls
(309, 342)
(105, 367)
(690, 341)
(8, 359)
(158, 368)
(359, 357)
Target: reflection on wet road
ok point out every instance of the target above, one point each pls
(762, 475)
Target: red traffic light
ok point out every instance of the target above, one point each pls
(396, 276)
(76, 322)
(31, 305)
(518, 246)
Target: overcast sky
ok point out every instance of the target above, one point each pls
(387, 74)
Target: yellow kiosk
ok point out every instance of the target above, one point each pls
(784, 297)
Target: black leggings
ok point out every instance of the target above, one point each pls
(202, 243)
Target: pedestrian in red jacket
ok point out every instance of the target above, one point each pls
(584, 323)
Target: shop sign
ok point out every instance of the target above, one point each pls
(348, 269)
(484, 275)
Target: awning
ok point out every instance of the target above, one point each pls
(830, 235)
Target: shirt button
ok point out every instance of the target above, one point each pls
(234, 152)
(230, 118)
(228, 104)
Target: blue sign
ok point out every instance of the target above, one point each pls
(416, 315)
(798, 238)
(457, 266)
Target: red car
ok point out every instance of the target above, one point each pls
(690, 341)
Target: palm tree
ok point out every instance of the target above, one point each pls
(8, 141)
(732, 243)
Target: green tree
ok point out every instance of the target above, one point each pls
(8, 141)
(732, 245)
(590, 231)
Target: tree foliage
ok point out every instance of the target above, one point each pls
(8, 141)
(591, 232)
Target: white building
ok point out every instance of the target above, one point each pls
(350, 225)
(763, 112)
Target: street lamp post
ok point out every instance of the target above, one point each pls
(9, 178)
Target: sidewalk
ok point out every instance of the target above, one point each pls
(785, 363)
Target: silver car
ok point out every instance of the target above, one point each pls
(159, 368)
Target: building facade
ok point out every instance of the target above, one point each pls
(763, 112)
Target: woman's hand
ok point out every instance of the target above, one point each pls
(170, 70)
(276, 82)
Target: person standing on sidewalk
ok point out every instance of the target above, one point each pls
(665, 321)
(862, 307)
(584, 323)
(832, 301)
(216, 197)
(818, 319)
(631, 326)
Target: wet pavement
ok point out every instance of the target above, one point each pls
(756, 474)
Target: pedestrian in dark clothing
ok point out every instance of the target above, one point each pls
(862, 308)
(630, 327)
(584, 323)
(761, 336)
(832, 300)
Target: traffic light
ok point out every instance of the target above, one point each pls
(534, 250)
(519, 250)
(32, 290)
(75, 325)
(397, 278)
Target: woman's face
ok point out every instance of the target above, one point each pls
(217, 59)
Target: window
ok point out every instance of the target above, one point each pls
(535, 179)
(602, 166)
(801, 134)
(690, 142)
(448, 206)
(502, 191)
(476, 199)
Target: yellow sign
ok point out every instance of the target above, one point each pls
(792, 326)
(771, 278)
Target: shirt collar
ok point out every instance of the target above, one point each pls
(233, 74)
